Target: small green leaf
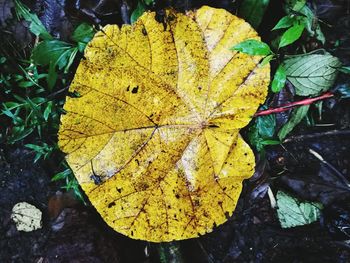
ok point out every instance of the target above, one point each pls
(311, 23)
(36, 27)
(298, 115)
(48, 110)
(298, 5)
(284, 22)
(312, 74)
(62, 175)
(52, 76)
(291, 35)
(266, 125)
(279, 80)
(253, 47)
(253, 11)
(83, 33)
(266, 60)
(261, 132)
(292, 212)
(52, 51)
(293, 5)
(140, 9)
(149, 2)
(345, 70)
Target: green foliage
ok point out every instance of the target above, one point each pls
(291, 35)
(292, 212)
(279, 79)
(262, 131)
(284, 22)
(253, 11)
(32, 107)
(312, 73)
(142, 6)
(35, 25)
(43, 151)
(253, 47)
(298, 115)
(345, 70)
(83, 33)
(71, 182)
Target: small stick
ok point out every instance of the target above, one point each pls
(339, 174)
(272, 198)
(316, 135)
(294, 104)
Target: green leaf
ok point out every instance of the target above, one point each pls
(48, 110)
(279, 80)
(261, 132)
(312, 74)
(140, 9)
(298, 115)
(36, 27)
(52, 76)
(311, 24)
(149, 2)
(291, 35)
(294, 5)
(253, 47)
(55, 51)
(345, 70)
(284, 22)
(266, 125)
(266, 60)
(292, 212)
(83, 33)
(253, 11)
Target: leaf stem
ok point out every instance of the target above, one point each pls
(288, 106)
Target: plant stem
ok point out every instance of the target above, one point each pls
(294, 104)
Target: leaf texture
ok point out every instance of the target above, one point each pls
(291, 212)
(154, 138)
(313, 73)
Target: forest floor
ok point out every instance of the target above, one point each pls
(74, 232)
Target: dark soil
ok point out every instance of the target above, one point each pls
(73, 232)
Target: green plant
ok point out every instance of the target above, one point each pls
(33, 93)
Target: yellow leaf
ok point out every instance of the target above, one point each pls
(154, 137)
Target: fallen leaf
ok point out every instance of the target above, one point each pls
(154, 138)
(292, 212)
(312, 74)
(26, 217)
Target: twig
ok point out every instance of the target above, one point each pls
(321, 159)
(294, 104)
(316, 135)
(272, 198)
(52, 95)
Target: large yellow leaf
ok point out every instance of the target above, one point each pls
(153, 139)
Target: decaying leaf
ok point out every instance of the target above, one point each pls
(26, 216)
(154, 138)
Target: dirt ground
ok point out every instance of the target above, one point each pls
(74, 232)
